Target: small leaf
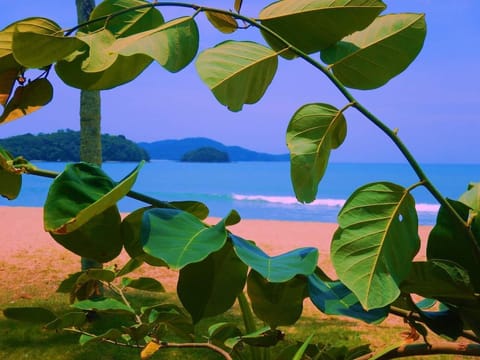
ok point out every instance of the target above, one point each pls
(36, 315)
(149, 350)
(200, 210)
(130, 266)
(143, 283)
(375, 243)
(27, 99)
(315, 25)
(471, 197)
(10, 184)
(276, 304)
(314, 130)
(238, 5)
(104, 304)
(111, 334)
(9, 70)
(179, 238)
(72, 319)
(334, 298)
(278, 268)
(370, 58)
(237, 80)
(218, 333)
(222, 22)
(301, 351)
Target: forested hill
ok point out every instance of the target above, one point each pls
(64, 145)
(175, 149)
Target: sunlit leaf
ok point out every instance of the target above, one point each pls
(370, 58)
(334, 298)
(237, 80)
(210, 287)
(238, 5)
(27, 99)
(179, 238)
(143, 283)
(375, 243)
(276, 304)
(99, 58)
(471, 197)
(36, 315)
(314, 130)
(446, 323)
(278, 268)
(149, 350)
(315, 25)
(200, 210)
(79, 193)
(222, 22)
(173, 44)
(104, 304)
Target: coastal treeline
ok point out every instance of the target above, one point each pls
(64, 145)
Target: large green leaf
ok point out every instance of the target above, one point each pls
(79, 193)
(27, 99)
(314, 130)
(35, 315)
(375, 243)
(129, 22)
(103, 304)
(143, 283)
(179, 238)
(471, 197)
(237, 72)
(454, 241)
(210, 287)
(276, 304)
(313, 25)
(334, 298)
(36, 50)
(439, 279)
(173, 44)
(278, 268)
(370, 58)
(99, 57)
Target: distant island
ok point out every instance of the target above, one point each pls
(64, 145)
(176, 149)
(205, 154)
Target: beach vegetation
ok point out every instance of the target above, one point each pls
(355, 46)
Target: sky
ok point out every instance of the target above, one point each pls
(434, 103)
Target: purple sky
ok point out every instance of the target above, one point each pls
(434, 103)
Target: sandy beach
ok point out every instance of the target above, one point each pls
(27, 252)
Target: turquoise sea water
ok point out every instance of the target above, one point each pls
(262, 190)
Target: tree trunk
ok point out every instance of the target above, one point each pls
(90, 115)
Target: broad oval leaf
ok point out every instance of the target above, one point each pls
(103, 304)
(129, 22)
(79, 193)
(237, 72)
(471, 197)
(179, 238)
(334, 298)
(370, 58)
(222, 22)
(36, 50)
(173, 44)
(27, 99)
(35, 315)
(313, 131)
(69, 320)
(375, 243)
(314, 25)
(277, 304)
(278, 268)
(143, 283)
(10, 183)
(210, 287)
(99, 58)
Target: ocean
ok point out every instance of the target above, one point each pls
(262, 190)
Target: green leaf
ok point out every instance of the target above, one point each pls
(67, 285)
(278, 268)
(27, 99)
(222, 22)
(128, 23)
(131, 230)
(200, 210)
(173, 44)
(104, 304)
(314, 130)
(218, 333)
(238, 5)
(375, 243)
(10, 184)
(439, 279)
(314, 25)
(179, 238)
(143, 283)
(334, 298)
(264, 337)
(81, 192)
(276, 304)
(210, 287)
(370, 58)
(453, 241)
(301, 351)
(111, 334)
(237, 80)
(9, 72)
(130, 266)
(36, 315)
(72, 319)
(37, 50)
(471, 197)
(175, 318)
(98, 239)
(99, 57)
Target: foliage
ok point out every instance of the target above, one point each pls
(64, 145)
(205, 154)
(377, 236)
